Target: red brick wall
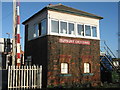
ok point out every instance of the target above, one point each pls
(75, 55)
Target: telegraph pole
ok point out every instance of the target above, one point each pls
(14, 33)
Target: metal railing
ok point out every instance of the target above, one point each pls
(108, 52)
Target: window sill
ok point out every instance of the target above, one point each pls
(75, 36)
(62, 75)
(37, 37)
(88, 74)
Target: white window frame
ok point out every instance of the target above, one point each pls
(87, 68)
(60, 27)
(96, 30)
(74, 28)
(77, 29)
(85, 30)
(53, 33)
(64, 69)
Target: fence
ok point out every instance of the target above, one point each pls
(25, 77)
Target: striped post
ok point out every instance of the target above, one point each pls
(18, 35)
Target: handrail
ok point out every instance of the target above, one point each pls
(110, 62)
(109, 50)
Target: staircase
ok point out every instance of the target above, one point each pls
(106, 56)
(109, 72)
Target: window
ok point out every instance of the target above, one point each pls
(80, 30)
(26, 33)
(86, 68)
(94, 31)
(43, 27)
(87, 30)
(40, 29)
(63, 28)
(35, 30)
(64, 68)
(71, 28)
(54, 26)
(28, 60)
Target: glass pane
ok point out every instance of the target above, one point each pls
(43, 27)
(87, 30)
(63, 26)
(80, 29)
(71, 28)
(86, 68)
(94, 31)
(64, 68)
(54, 26)
(35, 30)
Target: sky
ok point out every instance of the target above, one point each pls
(108, 25)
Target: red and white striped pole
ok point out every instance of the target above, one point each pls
(18, 35)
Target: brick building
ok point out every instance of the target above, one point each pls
(66, 42)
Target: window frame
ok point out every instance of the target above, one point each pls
(87, 69)
(34, 27)
(61, 69)
(74, 28)
(41, 27)
(96, 30)
(77, 29)
(85, 31)
(60, 27)
(51, 26)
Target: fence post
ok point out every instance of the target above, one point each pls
(16, 76)
(8, 76)
(27, 77)
(13, 76)
(19, 76)
(22, 77)
(37, 76)
(40, 76)
(32, 77)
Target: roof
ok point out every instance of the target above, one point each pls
(65, 9)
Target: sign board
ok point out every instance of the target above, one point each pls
(74, 41)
